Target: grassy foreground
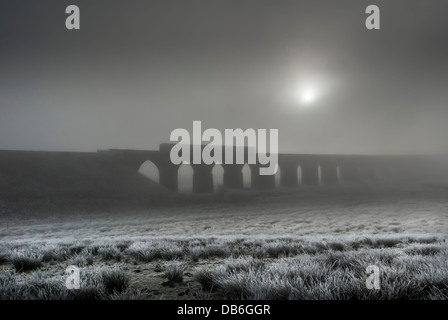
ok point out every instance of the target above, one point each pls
(411, 267)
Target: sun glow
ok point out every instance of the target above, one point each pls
(303, 95)
(307, 96)
(307, 91)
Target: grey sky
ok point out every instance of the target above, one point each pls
(139, 69)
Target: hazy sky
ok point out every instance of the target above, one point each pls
(139, 69)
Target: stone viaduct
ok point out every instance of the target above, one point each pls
(315, 169)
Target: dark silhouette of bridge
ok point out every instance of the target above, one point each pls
(315, 168)
(19, 167)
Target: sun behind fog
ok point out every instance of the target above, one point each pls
(303, 95)
(307, 92)
(307, 97)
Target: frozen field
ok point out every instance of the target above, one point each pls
(337, 211)
(304, 243)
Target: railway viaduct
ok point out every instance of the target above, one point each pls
(315, 168)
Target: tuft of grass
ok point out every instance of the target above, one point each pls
(215, 251)
(4, 257)
(82, 259)
(208, 250)
(142, 252)
(147, 251)
(53, 252)
(174, 271)
(243, 264)
(74, 249)
(423, 239)
(114, 280)
(110, 252)
(172, 252)
(88, 293)
(128, 295)
(336, 246)
(123, 245)
(423, 249)
(195, 252)
(206, 278)
(24, 263)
